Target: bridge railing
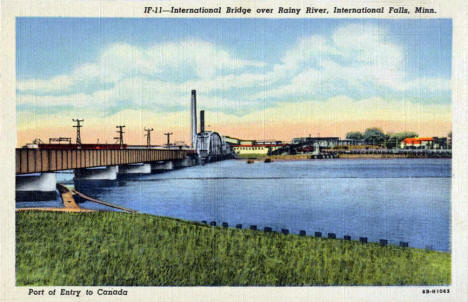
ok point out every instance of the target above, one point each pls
(36, 160)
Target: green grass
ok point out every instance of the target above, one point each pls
(111, 248)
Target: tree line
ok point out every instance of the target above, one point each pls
(375, 136)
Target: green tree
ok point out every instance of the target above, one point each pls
(354, 135)
(375, 136)
(395, 138)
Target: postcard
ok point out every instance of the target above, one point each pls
(234, 150)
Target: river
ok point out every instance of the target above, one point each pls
(395, 199)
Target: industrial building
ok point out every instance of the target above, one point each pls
(209, 145)
(245, 147)
(322, 142)
(232, 140)
(257, 149)
(351, 142)
(424, 143)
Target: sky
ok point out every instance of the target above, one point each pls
(255, 78)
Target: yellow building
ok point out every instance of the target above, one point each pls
(255, 149)
(252, 147)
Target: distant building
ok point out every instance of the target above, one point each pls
(351, 142)
(424, 143)
(417, 143)
(268, 142)
(440, 143)
(252, 146)
(327, 142)
(232, 140)
(322, 141)
(262, 149)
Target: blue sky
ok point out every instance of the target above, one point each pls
(103, 66)
(68, 41)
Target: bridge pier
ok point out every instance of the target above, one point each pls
(163, 166)
(182, 163)
(37, 186)
(98, 173)
(140, 168)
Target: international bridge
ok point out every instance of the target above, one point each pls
(42, 161)
(37, 164)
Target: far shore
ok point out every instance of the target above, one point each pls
(303, 157)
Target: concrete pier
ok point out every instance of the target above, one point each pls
(142, 168)
(36, 182)
(37, 186)
(99, 173)
(162, 166)
(183, 163)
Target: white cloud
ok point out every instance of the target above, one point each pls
(427, 84)
(312, 48)
(200, 58)
(367, 44)
(132, 92)
(74, 100)
(355, 57)
(54, 84)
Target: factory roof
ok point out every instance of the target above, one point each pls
(417, 140)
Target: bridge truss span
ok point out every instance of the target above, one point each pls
(38, 161)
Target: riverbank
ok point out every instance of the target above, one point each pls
(112, 248)
(285, 157)
(299, 157)
(371, 156)
(387, 156)
(338, 156)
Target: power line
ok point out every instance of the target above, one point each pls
(148, 136)
(119, 138)
(78, 132)
(168, 134)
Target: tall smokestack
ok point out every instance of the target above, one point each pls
(194, 118)
(202, 120)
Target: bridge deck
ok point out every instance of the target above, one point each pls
(36, 160)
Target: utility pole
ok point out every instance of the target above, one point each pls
(78, 126)
(168, 134)
(120, 137)
(148, 136)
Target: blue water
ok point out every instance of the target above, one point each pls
(394, 199)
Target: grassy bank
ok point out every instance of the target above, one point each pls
(110, 248)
